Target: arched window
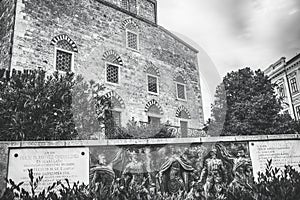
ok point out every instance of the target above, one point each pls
(180, 88)
(113, 62)
(116, 110)
(64, 53)
(152, 79)
(154, 112)
(183, 114)
(117, 107)
(132, 34)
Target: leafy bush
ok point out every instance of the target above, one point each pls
(54, 192)
(273, 184)
(37, 106)
(136, 130)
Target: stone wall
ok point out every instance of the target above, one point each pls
(144, 9)
(155, 153)
(97, 28)
(7, 11)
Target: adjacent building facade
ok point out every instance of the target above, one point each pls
(286, 75)
(150, 74)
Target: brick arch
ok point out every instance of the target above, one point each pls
(151, 69)
(182, 109)
(113, 57)
(64, 37)
(178, 76)
(113, 94)
(153, 103)
(130, 24)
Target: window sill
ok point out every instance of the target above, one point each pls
(184, 100)
(153, 93)
(134, 50)
(112, 84)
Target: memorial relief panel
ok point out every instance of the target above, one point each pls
(207, 168)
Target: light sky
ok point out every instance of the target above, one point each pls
(232, 34)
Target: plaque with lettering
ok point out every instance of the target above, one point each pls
(281, 152)
(53, 164)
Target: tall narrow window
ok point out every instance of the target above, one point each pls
(184, 116)
(132, 40)
(64, 53)
(152, 84)
(184, 128)
(113, 63)
(112, 73)
(152, 80)
(298, 112)
(113, 116)
(180, 88)
(281, 91)
(294, 86)
(154, 113)
(132, 34)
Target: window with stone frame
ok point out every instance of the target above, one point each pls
(154, 115)
(152, 84)
(154, 121)
(129, 5)
(64, 56)
(294, 86)
(114, 114)
(125, 4)
(180, 88)
(112, 73)
(132, 40)
(152, 80)
(184, 117)
(184, 128)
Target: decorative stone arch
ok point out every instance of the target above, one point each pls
(150, 68)
(114, 96)
(182, 112)
(153, 103)
(112, 57)
(64, 37)
(130, 24)
(180, 78)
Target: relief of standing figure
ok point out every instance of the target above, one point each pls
(174, 175)
(101, 178)
(214, 175)
(241, 168)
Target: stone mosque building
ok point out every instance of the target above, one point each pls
(151, 74)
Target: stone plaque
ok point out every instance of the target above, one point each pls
(52, 163)
(281, 152)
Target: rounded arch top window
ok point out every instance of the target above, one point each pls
(132, 34)
(180, 88)
(152, 80)
(65, 48)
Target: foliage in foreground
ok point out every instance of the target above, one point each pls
(273, 184)
(137, 130)
(246, 104)
(37, 106)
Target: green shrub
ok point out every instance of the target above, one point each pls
(37, 106)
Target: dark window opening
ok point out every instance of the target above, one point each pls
(63, 61)
(112, 74)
